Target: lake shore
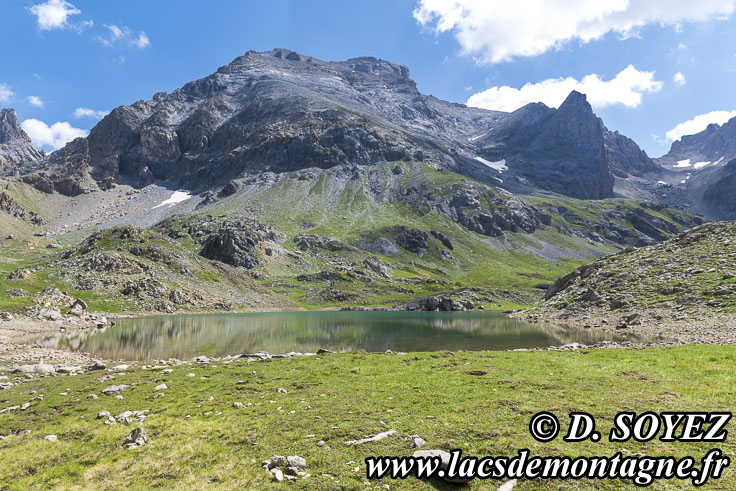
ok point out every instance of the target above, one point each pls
(16, 349)
(701, 326)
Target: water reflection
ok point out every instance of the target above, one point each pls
(185, 336)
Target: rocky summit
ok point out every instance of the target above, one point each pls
(17, 153)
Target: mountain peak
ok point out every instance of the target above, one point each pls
(578, 100)
(17, 153)
(10, 129)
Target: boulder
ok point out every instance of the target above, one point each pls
(136, 438)
(40, 368)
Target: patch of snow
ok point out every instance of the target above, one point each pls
(498, 179)
(683, 181)
(500, 166)
(683, 163)
(175, 198)
(700, 165)
(661, 182)
(718, 162)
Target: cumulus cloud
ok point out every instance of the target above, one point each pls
(679, 78)
(699, 123)
(54, 14)
(55, 136)
(626, 88)
(85, 112)
(5, 93)
(34, 100)
(494, 31)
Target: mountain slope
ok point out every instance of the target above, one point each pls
(684, 288)
(387, 236)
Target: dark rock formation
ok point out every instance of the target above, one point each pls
(560, 150)
(412, 240)
(442, 238)
(235, 241)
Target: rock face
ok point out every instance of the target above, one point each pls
(714, 143)
(719, 194)
(234, 241)
(560, 150)
(413, 240)
(625, 157)
(282, 111)
(704, 171)
(17, 153)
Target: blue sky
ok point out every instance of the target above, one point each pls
(60, 56)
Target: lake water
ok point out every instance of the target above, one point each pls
(186, 336)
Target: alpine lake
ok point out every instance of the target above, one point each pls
(189, 335)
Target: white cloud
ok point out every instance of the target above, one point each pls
(55, 136)
(118, 34)
(5, 93)
(85, 112)
(142, 41)
(625, 88)
(115, 31)
(34, 100)
(679, 78)
(53, 14)
(699, 123)
(499, 30)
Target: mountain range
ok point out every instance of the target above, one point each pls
(329, 179)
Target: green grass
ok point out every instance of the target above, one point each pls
(352, 395)
(342, 206)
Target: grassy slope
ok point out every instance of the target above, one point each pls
(350, 396)
(509, 269)
(345, 211)
(683, 274)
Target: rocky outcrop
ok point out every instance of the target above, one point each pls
(235, 241)
(17, 153)
(11, 207)
(312, 242)
(413, 240)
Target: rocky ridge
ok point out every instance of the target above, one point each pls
(684, 288)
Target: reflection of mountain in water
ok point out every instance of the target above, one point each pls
(184, 336)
